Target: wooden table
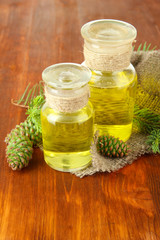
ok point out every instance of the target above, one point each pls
(39, 203)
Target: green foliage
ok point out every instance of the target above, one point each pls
(34, 111)
(29, 95)
(154, 141)
(144, 47)
(146, 120)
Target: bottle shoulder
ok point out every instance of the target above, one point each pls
(79, 116)
(113, 79)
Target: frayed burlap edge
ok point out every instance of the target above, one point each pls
(138, 147)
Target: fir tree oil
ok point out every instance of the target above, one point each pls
(107, 52)
(67, 117)
(113, 96)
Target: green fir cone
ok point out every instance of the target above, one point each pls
(23, 137)
(27, 129)
(110, 146)
(20, 142)
(19, 152)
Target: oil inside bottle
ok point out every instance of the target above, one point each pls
(113, 97)
(67, 138)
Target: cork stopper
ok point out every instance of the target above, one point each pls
(108, 44)
(66, 86)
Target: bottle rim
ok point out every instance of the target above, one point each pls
(109, 31)
(66, 76)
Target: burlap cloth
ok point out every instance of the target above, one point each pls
(147, 65)
(67, 104)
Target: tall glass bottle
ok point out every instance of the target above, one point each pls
(107, 52)
(67, 117)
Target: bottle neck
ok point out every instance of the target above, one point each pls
(67, 101)
(107, 57)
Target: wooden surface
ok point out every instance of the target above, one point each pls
(38, 202)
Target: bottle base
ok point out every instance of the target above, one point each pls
(67, 161)
(123, 132)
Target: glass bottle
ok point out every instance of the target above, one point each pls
(107, 52)
(67, 117)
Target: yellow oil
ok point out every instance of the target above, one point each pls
(113, 96)
(67, 138)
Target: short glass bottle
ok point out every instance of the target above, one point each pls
(67, 117)
(107, 52)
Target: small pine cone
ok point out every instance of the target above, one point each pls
(25, 129)
(20, 143)
(111, 147)
(19, 152)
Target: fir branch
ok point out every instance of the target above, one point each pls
(146, 120)
(29, 95)
(34, 111)
(154, 141)
(144, 47)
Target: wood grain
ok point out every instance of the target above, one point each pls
(38, 202)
